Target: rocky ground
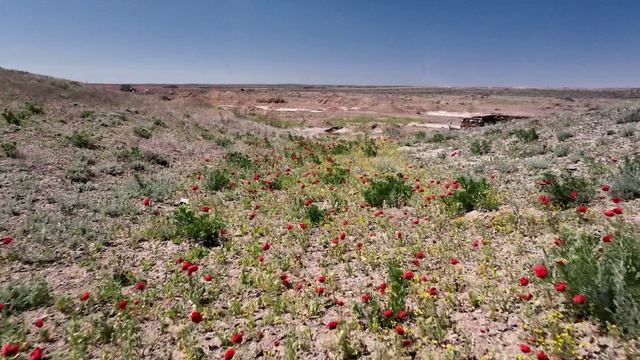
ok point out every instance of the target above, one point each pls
(139, 227)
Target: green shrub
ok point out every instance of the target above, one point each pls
(81, 170)
(479, 147)
(527, 136)
(203, 228)
(142, 132)
(567, 190)
(629, 116)
(157, 122)
(398, 288)
(239, 160)
(370, 148)
(34, 108)
(83, 140)
(561, 151)
(563, 135)
(10, 149)
(223, 141)
(14, 118)
(158, 188)
(440, 137)
(340, 148)
(314, 214)
(20, 296)
(607, 273)
(473, 194)
(87, 114)
(216, 180)
(335, 175)
(392, 191)
(626, 182)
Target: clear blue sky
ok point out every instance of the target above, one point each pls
(539, 43)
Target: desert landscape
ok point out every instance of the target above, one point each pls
(143, 221)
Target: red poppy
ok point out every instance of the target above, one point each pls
(196, 316)
(407, 275)
(84, 296)
(146, 201)
(573, 195)
(387, 313)
(7, 240)
(365, 298)
(321, 278)
(604, 187)
(524, 281)
(207, 277)
(454, 261)
(261, 259)
(525, 348)
(122, 304)
(609, 213)
(406, 342)
(205, 209)
(339, 302)
(579, 299)
(343, 235)
(474, 243)
(303, 226)
(228, 355)
(1, 306)
(192, 269)
(36, 354)
(540, 271)
(560, 286)
(581, 209)
(402, 314)
(10, 349)
(607, 238)
(557, 242)
(266, 246)
(398, 235)
(540, 355)
(616, 199)
(618, 210)
(433, 291)
(359, 245)
(420, 255)
(382, 288)
(319, 290)
(140, 285)
(289, 227)
(526, 297)
(331, 324)
(399, 330)
(195, 187)
(237, 337)
(38, 323)
(544, 199)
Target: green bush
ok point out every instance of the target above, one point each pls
(142, 132)
(629, 116)
(607, 273)
(81, 170)
(392, 191)
(479, 147)
(527, 136)
(370, 148)
(563, 135)
(567, 190)
(14, 118)
(216, 180)
(87, 114)
(314, 214)
(10, 149)
(20, 296)
(34, 108)
(626, 182)
(473, 194)
(83, 140)
(440, 137)
(239, 160)
(203, 228)
(335, 175)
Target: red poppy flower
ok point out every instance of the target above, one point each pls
(10, 349)
(616, 199)
(251, 215)
(289, 227)
(540, 271)
(607, 238)
(407, 275)
(207, 277)
(205, 209)
(122, 304)
(140, 285)
(1, 306)
(228, 355)
(38, 323)
(319, 290)
(573, 195)
(192, 269)
(36, 354)
(237, 337)
(196, 316)
(526, 297)
(321, 278)
(398, 235)
(579, 299)
(540, 355)
(609, 213)
(433, 291)
(365, 298)
(84, 296)
(359, 245)
(402, 314)
(185, 265)
(195, 187)
(266, 246)
(382, 288)
(308, 201)
(146, 201)
(7, 240)
(560, 286)
(617, 210)
(557, 242)
(604, 187)
(454, 261)
(261, 259)
(331, 324)
(406, 342)
(474, 243)
(525, 348)
(387, 313)
(544, 199)
(581, 209)
(524, 281)
(420, 255)
(339, 302)
(303, 226)
(399, 330)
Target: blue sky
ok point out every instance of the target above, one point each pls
(537, 43)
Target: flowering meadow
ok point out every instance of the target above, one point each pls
(129, 236)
